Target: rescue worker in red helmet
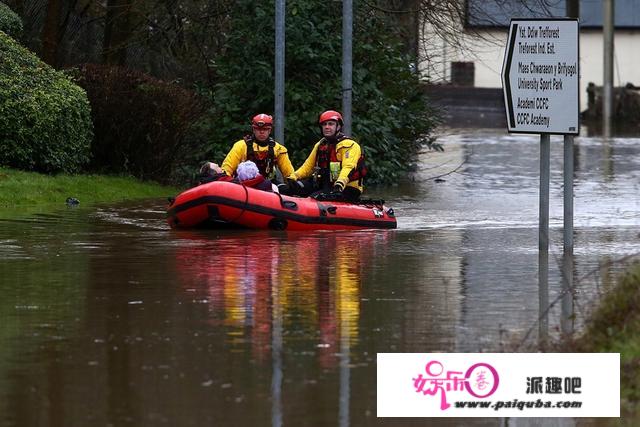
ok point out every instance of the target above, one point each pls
(337, 159)
(261, 149)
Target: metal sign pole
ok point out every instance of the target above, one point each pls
(279, 72)
(608, 30)
(545, 150)
(568, 193)
(347, 66)
(567, 256)
(543, 234)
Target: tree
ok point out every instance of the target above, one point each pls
(390, 117)
(50, 32)
(118, 30)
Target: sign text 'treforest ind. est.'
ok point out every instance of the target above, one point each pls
(540, 76)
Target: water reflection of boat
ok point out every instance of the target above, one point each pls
(224, 204)
(310, 282)
(284, 304)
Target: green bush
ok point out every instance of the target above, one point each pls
(614, 327)
(10, 22)
(45, 119)
(391, 119)
(140, 122)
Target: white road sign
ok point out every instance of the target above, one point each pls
(540, 76)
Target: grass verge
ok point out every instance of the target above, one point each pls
(615, 328)
(28, 190)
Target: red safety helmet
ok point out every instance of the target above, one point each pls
(330, 115)
(262, 120)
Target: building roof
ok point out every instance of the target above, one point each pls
(498, 13)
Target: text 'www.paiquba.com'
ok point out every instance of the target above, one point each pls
(518, 404)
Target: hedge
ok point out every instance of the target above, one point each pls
(45, 119)
(140, 122)
(10, 22)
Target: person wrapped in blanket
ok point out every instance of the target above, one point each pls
(247, 174)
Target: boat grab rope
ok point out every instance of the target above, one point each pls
(287, 204)
(244, 205)
(338, 197)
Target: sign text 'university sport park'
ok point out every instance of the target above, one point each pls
(540, 76)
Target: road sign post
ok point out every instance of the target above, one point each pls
(540, 82)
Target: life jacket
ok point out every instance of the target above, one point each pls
(265, 164)
(360, 171)
(327, 155)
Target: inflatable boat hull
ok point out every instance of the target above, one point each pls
(225, 204)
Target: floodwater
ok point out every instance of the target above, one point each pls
(109, 318)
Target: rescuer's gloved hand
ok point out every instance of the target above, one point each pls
(294, 185)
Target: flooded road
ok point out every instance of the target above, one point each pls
(108, 317)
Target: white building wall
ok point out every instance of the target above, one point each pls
(486, 50)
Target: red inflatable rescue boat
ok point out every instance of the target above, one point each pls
(222, 204)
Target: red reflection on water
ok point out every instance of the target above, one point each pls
(309, 283)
